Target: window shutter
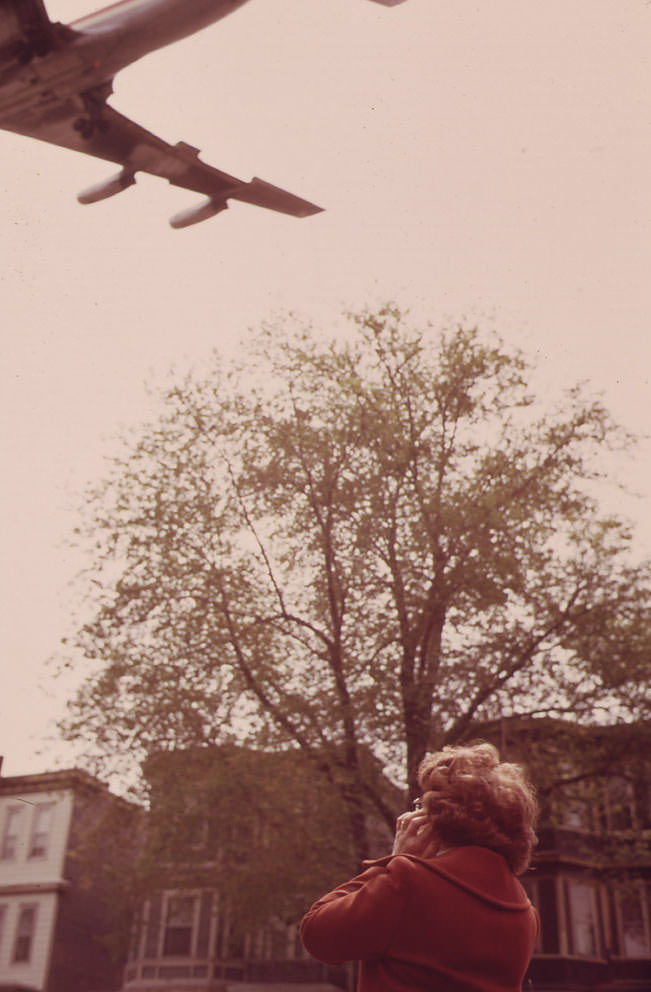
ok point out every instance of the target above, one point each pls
(153, 925)
(203, 935)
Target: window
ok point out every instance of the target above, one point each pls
(24, 933)
(3, 916)
(41, 826)
(574, 800)
(11, 833)
(179, 923)
(576, 811)
(582, 915)
(620, 803)
(634, 924)
(542, 892)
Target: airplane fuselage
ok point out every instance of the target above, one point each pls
(129, 30)
(103, 43)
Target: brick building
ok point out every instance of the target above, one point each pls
(243, 841)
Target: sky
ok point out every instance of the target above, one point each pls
(479, 161)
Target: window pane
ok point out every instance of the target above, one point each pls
(548, 916)
(180, 910)
(24, 933)
(583, 919)
(178, 940)
(178, 925)
(620, 803)
(41, 826)
(11, 832)
(635, 935)
(576, 806)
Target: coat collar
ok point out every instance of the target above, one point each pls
(478, 870)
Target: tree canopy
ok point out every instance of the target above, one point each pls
(359, 545)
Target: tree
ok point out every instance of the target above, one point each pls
(360, 545)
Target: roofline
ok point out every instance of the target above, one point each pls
(541, 723)
(65, 778)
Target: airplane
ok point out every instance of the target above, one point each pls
(55, 81)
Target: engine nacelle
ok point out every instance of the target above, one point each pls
(196, 214)
(108, 187)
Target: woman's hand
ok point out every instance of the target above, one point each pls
(414, 835)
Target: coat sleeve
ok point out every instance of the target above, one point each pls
(357, 920)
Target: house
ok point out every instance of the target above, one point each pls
(591, 874)
(57, 931)
(240, 843)
(243, 842)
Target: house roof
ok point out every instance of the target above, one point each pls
(69, 778)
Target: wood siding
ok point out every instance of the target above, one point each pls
(25, 868)
(33, 972)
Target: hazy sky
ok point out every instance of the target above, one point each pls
(481, 161)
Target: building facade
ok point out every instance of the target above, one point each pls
(56, 924)
(238, 844)
(591, 874)
(242, 843)
(590, 879)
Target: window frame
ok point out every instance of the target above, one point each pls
(575, 808)
(169, 897)
(643, 894)
(572, 919)
(47, 808)
(543, 892)
(13, 814)
(23, 909)
(619, 807)
(4, 916)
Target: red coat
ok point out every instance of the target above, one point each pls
(460, 922)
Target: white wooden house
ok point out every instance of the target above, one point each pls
(54, 911)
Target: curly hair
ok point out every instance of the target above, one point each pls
(474, 798)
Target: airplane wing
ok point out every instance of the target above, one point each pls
(88, 124)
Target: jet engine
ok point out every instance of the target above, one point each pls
(206, 209)
(108, 187)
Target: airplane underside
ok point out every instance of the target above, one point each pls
(55, 82)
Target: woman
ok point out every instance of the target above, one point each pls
(445, 910)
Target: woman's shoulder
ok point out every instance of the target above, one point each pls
(477, 870)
